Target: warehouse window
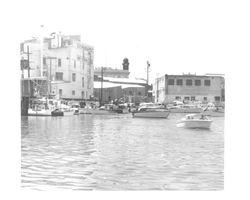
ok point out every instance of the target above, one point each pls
(192, 98)
(179, 82)
(207, 82)
(204, 98)
(189, 82)
(73, 92)
(83, 82)
(177, 98)
(82, 94)
(217, 98)
(198, 82)
(59, 76)
(60, 92)
(187, 98)
(44, 61)
(170, 81)
(139, 93)
(73, 77)
(59, 62)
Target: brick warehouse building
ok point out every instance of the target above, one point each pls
(190, 87)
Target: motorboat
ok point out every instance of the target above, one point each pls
(214, 111)
(107, 109)
(151, 112)
(185, 108)
(195, 121)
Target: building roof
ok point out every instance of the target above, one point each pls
(125, 80)
(195, 75)
(98, 84)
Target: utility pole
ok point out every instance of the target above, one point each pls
(148, 66)
(101, 85)
(28, 52)
(147, 86)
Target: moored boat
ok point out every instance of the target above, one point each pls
(151, 112)
(185, 108)
(195, 121)
(214, 111)
(40, 107)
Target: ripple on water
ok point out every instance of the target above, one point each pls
(120, 153)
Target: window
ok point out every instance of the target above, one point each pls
(83, 82)
(60, 92)
(186, 98)
(192, 98)
(73, 77)
(44, 73)
(189, 82)
(197, 82)
(177, 98)
(73, 92)
(59, 62)
(204, 98)
(74, 63)
(82, 94)
(170, 81)
(139, 93)
(59, 76)
(130, 93)
(207, 82)
(44, 61)
(179, 82)
(217, 98)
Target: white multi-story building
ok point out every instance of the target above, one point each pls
(67, 65)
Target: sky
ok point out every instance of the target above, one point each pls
(174, 36)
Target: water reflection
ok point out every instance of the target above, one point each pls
(120, 153)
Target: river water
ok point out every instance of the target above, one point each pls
(119, 152)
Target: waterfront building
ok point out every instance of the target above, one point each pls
(112, 84)
(189, 87)
(110, 72)
(64, 61)
(128, 89)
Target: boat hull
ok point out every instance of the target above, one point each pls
(68, 113)
(102, 112)
(39, 113)
(214, 113)
(203, 124)
(186, 110)
(162, 114)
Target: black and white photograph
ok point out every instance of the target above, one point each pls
(123, 95)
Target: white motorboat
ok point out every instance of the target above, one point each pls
(151, 112)
(214, 111)
(185, 108)
(107, 109)
(195, 121)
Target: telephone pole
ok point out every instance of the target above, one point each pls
(148, 66)
(101, 86)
